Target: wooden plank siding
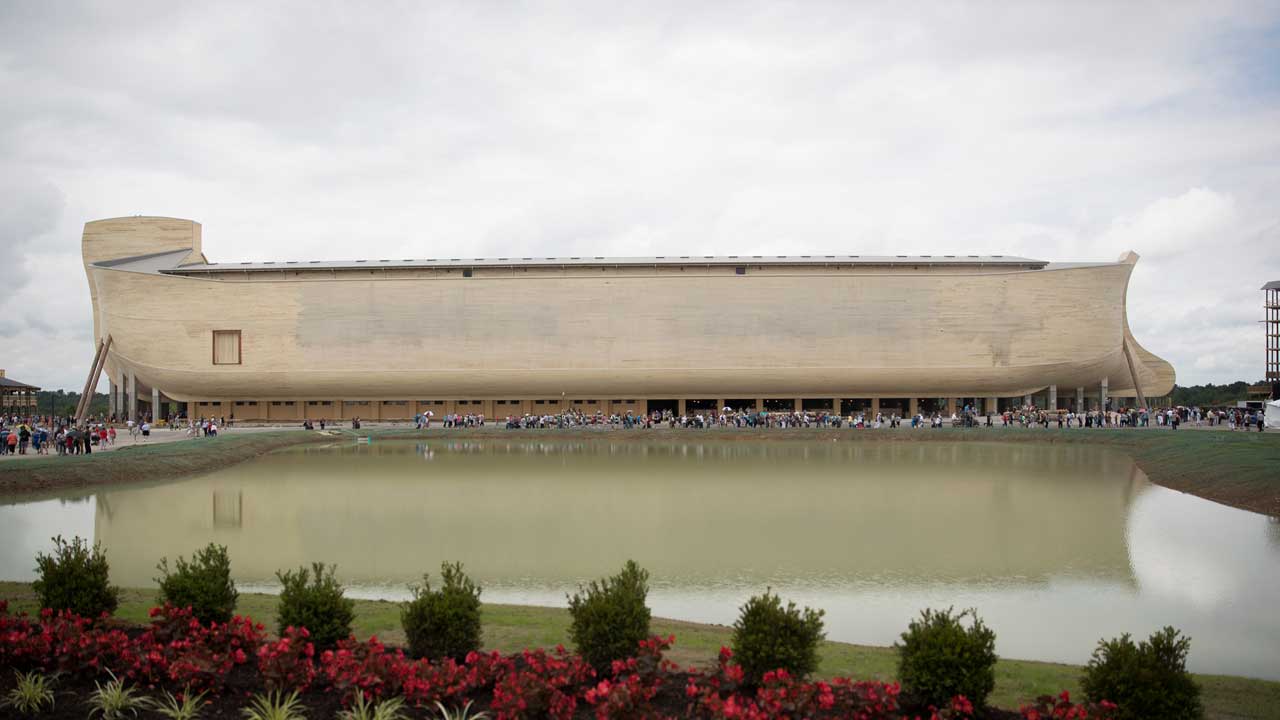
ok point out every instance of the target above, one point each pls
(585, 337)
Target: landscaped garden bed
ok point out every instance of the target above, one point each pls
(232, 663)
(195, 658)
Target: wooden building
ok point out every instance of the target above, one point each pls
(389, 338)
(17, 398)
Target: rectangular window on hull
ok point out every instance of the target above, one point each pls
(226, 347)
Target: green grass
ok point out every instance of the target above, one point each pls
(1233, 468)
(134, 463)
(511, 628)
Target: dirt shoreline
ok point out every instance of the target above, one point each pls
(1238, 469)
(22, 479)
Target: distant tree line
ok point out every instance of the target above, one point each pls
(1210, 394)
(62, 402)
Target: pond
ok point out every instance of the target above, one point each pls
(1056, 545)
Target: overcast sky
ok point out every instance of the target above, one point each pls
(316, 130)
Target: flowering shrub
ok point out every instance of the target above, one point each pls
(176, 647)
(424, 683)
(365, 666)
(23, 644)
(648, 661)
(717, 695)
(201, 668)
(189, 653)
(780, 695)
(447, 682)
(705, 691)
(542, 685)
(288, 663)
(175, 626)
(79, 647)
(628, 698)
(1048, 707)
(636, 681)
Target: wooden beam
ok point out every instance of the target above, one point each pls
(1133, 372)
(97, 356)
(100, 360)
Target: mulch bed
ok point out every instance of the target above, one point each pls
(72, 695)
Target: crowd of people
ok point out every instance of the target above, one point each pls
(450, 420)
(968, 416)
(43, 434)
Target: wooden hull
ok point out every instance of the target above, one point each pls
(699, 332)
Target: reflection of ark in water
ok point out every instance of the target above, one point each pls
(696, 515)
(506, 336)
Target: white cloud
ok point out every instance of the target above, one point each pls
(1194, 297)
(1193, 221)
(1063, 131)
(30, 208)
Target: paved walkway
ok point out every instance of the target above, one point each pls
(163, 435)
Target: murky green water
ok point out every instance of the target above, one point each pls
(1056, 546)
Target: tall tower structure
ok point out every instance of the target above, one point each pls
(1272, 323)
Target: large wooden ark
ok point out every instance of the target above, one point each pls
(389, 338)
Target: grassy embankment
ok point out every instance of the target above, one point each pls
(1239, 469)
(511, 628)
(141, 462)
(1233, 468)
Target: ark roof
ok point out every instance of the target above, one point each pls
(598, 261)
